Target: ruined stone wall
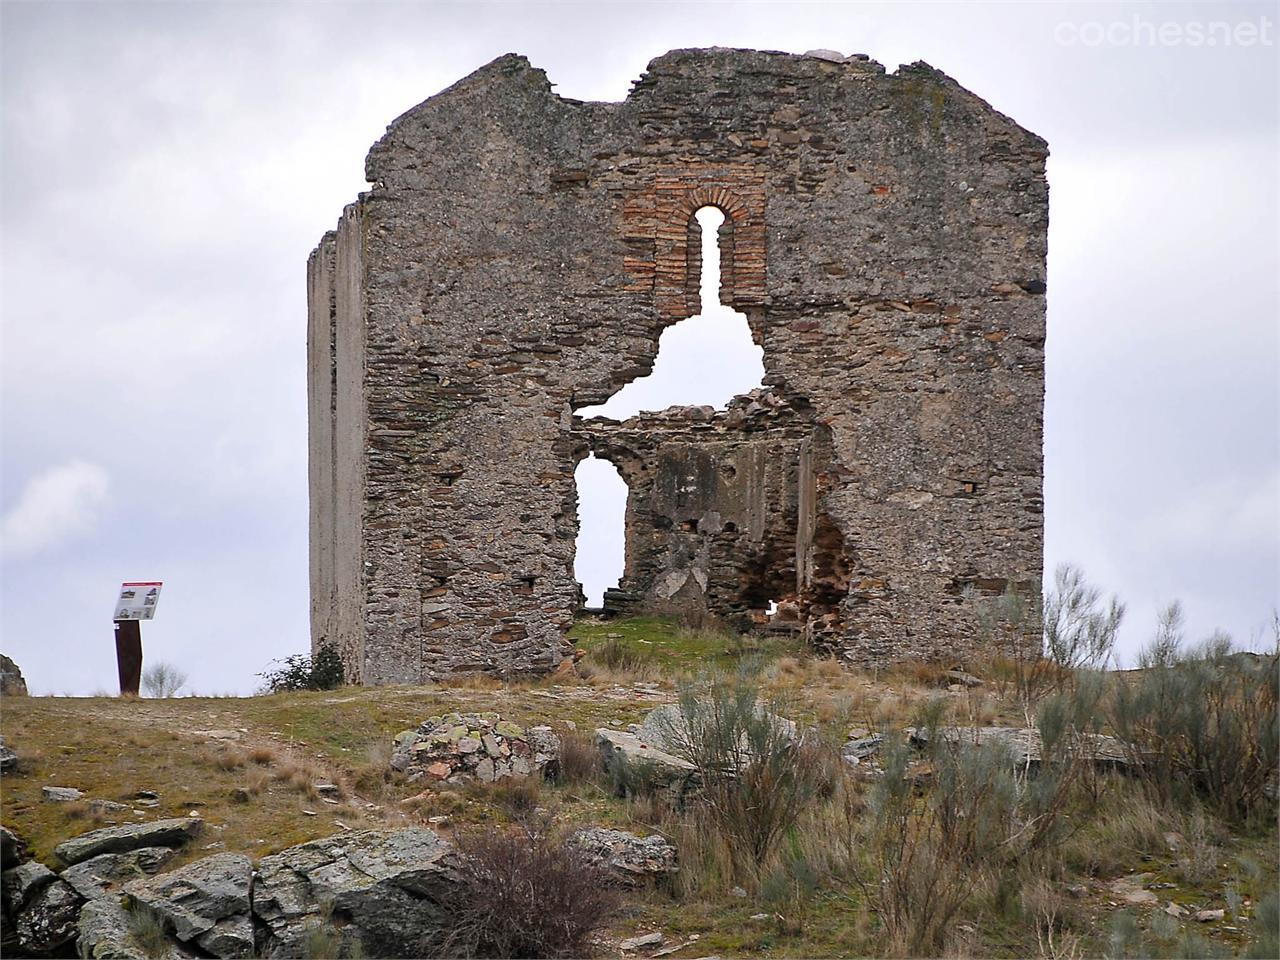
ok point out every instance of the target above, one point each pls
(517, 257)
(712, 507)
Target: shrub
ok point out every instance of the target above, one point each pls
(524, 893)
(1207, 722)
(924, 856)
(757, 775)
(324, 671)
(163, 680)
(579, 758)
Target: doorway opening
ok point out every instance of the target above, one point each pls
(600, 550)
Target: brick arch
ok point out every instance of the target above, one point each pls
(659, 221)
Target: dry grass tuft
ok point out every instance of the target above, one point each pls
(263, 755)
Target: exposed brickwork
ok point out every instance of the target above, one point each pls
(517, 258)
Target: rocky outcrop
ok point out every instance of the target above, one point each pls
(629, 859)
(12, 683)
(47, 922)
(371, 893)
(130, 836)
(205, 903)
(106, 932)
(386, 887)
(12, 848)
(481, 746)
(107, 873)
(20, 883)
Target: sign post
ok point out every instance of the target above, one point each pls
(137, 602)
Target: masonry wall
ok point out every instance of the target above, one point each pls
(517, 257)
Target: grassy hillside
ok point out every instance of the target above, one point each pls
(250, 767)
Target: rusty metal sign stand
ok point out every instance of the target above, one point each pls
(129, 656)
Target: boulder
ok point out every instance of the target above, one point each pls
(667, 728)
(106, 932)
(129, 836)
(18, 884)
(484, 746)
(61, 794)
(633, 763)
(11, 682)
(48, 922)
(1024, 743)
(8, 759)
(626, 857)
(386, 887)
(194, 900)
(13, 849)
(107, 873)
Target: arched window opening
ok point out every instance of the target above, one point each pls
(708, 359)
(601, 546)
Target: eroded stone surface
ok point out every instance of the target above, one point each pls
(107, 873)
(173, 832)
(387, 884)
(48, 921)
(193, 899)
(106, 933)
(885, 237)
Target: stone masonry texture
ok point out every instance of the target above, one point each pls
(517, 257)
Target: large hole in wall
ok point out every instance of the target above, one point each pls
(707, 359)
(601, 547)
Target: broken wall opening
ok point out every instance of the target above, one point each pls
(707, 359)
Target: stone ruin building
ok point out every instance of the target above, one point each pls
(517, 257)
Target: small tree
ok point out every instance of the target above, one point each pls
(163, 680)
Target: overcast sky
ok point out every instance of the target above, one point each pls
(167, 168)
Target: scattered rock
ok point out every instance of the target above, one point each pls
(628, 758)
(20, 883)
(759, 916)
(1173, 910)
(638, 943)
(1208, 916)
(130, 836)
(8, 759)
(475, 746)
(855, 751)
(107, 807)
(1132, 891)
(962, 678)
(327, 789)
(48, 921)
(11, 682)
(206, 901)
(61, 794)
(629, 858)
(107, 873)
(738, 892)
(146, 795)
